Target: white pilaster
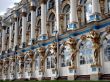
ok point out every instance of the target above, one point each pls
(24, 23)
(3, 37)
(10, 36)
(43, 19)
(73, 11)
(33, 20)
(16, 33)
(57, 16)
(95, 6)
(43, 35)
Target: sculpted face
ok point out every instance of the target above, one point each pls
(71, 41)
(53, 46)
(83, 37)
(41, 50)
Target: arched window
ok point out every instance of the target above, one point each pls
(39, 26)
(51, 4)
(48, 60)
(29, 17)
(86, 52)
(37, 61)
(106, 44)
(52, 23)
(88, 10)
(20, 22)
(39, 11)
(66, 11)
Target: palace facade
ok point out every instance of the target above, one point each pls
(56, 39)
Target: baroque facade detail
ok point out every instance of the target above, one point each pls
(55, 39)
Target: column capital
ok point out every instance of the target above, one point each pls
(3, 26)
(43, 1)
(33, 6)
(24, 14)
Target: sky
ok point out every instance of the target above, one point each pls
(4, 4)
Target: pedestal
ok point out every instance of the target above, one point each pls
(95, 17)
(33, 41)
(26, 75)
(95, 73)
(72, 26)
(72, 74)
(43, 37)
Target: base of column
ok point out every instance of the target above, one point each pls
(95, 73)
(16, 48)
(3, 52)
(72, 26)
(72, 74)
(23, 44)
(9, 50)
(33, 41)
(95, 17)
(43, 37)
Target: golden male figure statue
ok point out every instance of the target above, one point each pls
(42, 54)
(73, 45)
(95, 37)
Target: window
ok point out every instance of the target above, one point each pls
(39, 26)
(29, 17)
(37, 62)
(66, 56)
(66, 10)
(39, 11)
(86, 52)
(51, 4)
(107, 50)
(88, 10)
(52, 23)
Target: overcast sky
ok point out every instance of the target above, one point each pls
(4, 4)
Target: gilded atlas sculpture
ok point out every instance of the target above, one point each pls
(43, 56)
(31, 60)
(53, 50)
(72, 43)
(95, 37)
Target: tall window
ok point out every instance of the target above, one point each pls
(29, 17)
(88, 10)
(66, 10)
(39, 26)
(37, 61)
(52, 23)
(108, 5)
(66, 56)
(39, 11)
(51, 4)
(86, 52)
(107, 50)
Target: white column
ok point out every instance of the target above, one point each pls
(10, 35)
(95, 6)
(57, 16)
(33, 20)
(73, 11)
(16, 33)
(43, 18)
(24, 23)
(3, 37)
